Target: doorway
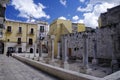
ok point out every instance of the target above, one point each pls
(31, 50)
(69, 52)
(19, 50)
(1, 47)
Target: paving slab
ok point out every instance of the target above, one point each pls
(12, 69)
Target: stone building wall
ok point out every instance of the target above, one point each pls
(110, 17)
(103, 42)
(76, 46)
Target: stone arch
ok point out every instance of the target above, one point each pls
(31, 50)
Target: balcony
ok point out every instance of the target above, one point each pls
(8, 31)
(30, 43)
(31, 32)
(19, 32)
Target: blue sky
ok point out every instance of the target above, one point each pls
(83, 11)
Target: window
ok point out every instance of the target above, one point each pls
(30, 41)
(32, 31)
(2, 11)
(19, 40)
(11, 49)
(8, 40)
(20, 30)
(9, 29)
(41, 28)
(1, 26)
(19, 50)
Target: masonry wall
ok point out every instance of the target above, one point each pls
(102, 42)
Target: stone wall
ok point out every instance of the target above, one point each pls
(63, 74)
(103, 42)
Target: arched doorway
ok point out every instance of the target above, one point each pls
(19, 50)
(1, 47)
(31, 50)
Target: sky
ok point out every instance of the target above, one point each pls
(78, 11)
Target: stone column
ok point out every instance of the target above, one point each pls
(66, 65)
(41, 57)
(40, 51)
(58, 55)
(34, 51)
(85, 68)
(85, 54)
(114, 60)
(52, 37)
(94, 61)
(66, 57)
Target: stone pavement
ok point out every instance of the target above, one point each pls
(12, 69)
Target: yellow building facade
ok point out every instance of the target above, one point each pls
(60, 27)
(19, 36)
(81, 27)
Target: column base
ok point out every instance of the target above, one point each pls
(85, 70)
(114, 65)
(41, 58)
(66, 65)
(94, 61)
(52, 60)
(35, 58)
(114, 61)
(58, 57)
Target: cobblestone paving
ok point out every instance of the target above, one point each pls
(12, 69)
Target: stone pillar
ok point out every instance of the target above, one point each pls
(66, 57)
(66, 65)
(94, 61)
(52, 37)
(41, 57)
(34, 51)
(58, 55)
(85, 54)
(114, 60)
(85, 68)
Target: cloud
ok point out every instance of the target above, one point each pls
(80, 21)
(62, 17)
(63, 2)
(86, 9)
(29, 9)
(75, 17)
(82, 1)
(93, 10)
